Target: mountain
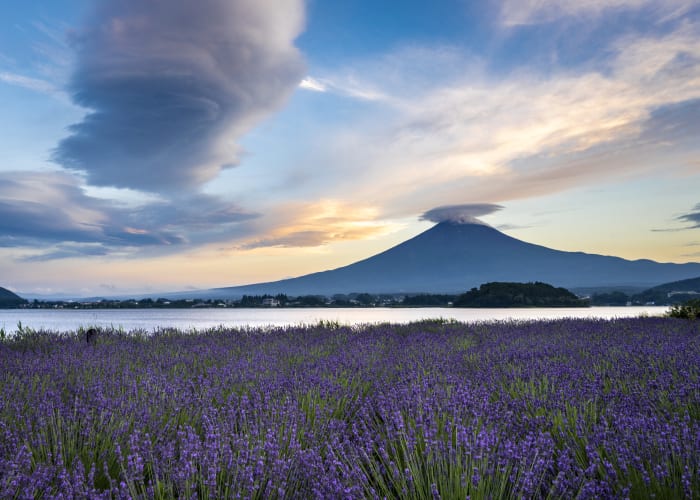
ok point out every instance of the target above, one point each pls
(452, 258)
(9, 299)
(689, 285)
(675, 292)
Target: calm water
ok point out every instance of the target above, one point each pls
(149, 319)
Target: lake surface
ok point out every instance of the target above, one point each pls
(150, 319)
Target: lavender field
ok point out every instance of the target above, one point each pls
(549, 409)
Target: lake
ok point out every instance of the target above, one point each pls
(149, 319)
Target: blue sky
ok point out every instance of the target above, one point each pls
(149, 145)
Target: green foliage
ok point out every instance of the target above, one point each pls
(365, 299)
(687, 310)
(311, 301)
(661, 297)
(258, 300)
(615, 298)
(503, 294)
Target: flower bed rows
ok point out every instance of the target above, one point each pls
(557, 409)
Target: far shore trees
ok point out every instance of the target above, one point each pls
(504, 294)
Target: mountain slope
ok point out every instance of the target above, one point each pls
(689, 285)
(675, 292)
(452, 258)
(9, 299)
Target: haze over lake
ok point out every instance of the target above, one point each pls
(150, 319)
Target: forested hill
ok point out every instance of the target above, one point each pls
(9, 299)
(503, 294)
(675, 292)
(691, 285)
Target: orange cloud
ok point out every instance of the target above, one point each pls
(319, 223)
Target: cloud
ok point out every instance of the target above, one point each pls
(346, 86)
(46, 206)
(197, 219)
(511, 227)
(67, 251)
(525, 134)
(521, 12)
(303, 225)
(461, 214)
(296, 239)
(312, 84)
(693, 218)
(47, 73)
(29, 83)
(170, 86)
(51, 209)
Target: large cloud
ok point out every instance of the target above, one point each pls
(170, 85)
(524, 135)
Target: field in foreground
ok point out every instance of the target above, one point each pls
(558, 409)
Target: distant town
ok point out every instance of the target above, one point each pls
(252, 301)
(492, 294)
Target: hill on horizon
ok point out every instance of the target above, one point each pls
(498, 294)
(9, 299)
(689, 285)
(454, 257)
(675, 292)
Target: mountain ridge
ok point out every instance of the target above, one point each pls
(454, 257)
(10, 299)
(687, 285)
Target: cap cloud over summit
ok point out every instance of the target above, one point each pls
(461, 214)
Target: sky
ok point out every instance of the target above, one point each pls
(153, 145)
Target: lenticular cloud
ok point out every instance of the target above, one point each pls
(461, 214)
(171, 85)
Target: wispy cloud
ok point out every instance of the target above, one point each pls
(47, 70)
(316, 224)
(511, 227)
(170, 87)
(346, 86)
(477, 136)
(310, 83)
(29, 83)
(67, 251)
(692, 218)
(519, 12)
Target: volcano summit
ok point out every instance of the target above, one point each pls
(452, 257)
